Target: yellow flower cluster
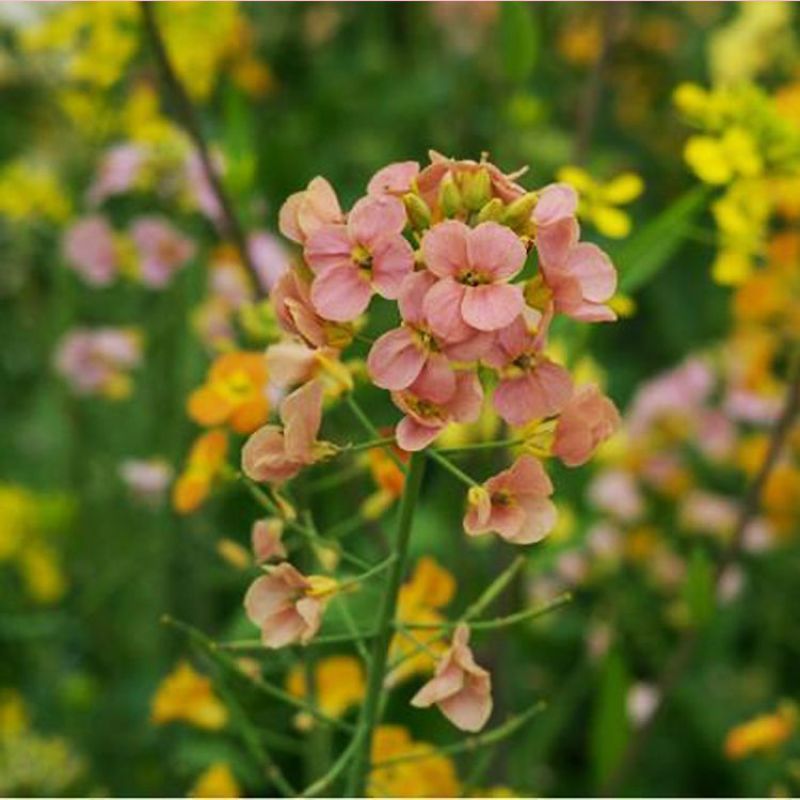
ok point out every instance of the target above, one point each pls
(217, 781)
(187, 696)
(749, 143)
(26, 521)
(29, 190)
(339, 685)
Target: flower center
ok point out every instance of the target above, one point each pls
(473, 277)
(362, 258)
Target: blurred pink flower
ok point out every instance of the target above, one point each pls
(148, 479)
(306, 212)
(161, 248)
(514, 504)
(265, 537)
(531, 386)
(617, 493)
(460, 688)
(587, 419)
(270, 258)
(200, 190)
(119, 169)
(91, 251)
(707, 512)
(274, 454)
(280, 605)
(426, 418)
(474, 265)
(351, 261)
(642, 701)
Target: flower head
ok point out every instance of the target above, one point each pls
(265, 538)
(162, 250)
(588, 419)
(91, 250)
(305, 212)
(461, 688)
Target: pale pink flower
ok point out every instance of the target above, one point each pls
(265, 537)
(394, 179)
(161, 248)
(91, 251)
(281, 604)
(425, 418)
(274, 454)
(305, 212)
(531, 385)
(731, 583)
(474, 265)
(587, 419)
(642, 702)
(352, 261)
(556, 228)
(198, 186)
(747, 406)
(716, 434)
(572, 567)
(514, 504)
(119, 170)
(707, 512)
(291, 362)
(269, 258)
(615, 492)
(147, 479)
(460, 688)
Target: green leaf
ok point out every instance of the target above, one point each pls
(518, 40)
(610, 728)
(698, 590)
(643, 256)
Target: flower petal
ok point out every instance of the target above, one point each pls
(494, 249)
(491, 307)
(444, 248)
(341, 293)
(395, 360)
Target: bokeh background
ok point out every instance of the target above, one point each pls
(106, 329)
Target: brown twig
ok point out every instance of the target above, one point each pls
(190, 122)
(681, 658)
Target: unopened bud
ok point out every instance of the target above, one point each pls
(492, 211)
(419, 215)
(450, 200)
(517, 215)
(538, 294)
(476, 189)
(322, 586)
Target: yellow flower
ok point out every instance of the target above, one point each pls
(761, 734)
(204, 464)
(42, 573)
(13, 714)
(234, 554)
(216, 781)
(599, 201)
(186, 695)
(430, 588)
(29, 190)
(339, 685)
(234, 393)
(430, 775)
(718, 160)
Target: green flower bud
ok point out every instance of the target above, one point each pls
(518, 215)
(476, 189)
(450, 200)
(419, 215)
(492, 211)
(537, 293)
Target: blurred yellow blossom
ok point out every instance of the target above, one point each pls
(30, 190)
(204, 464)
(187, 696)
(761, 734)
(339, 686)
(217, 781)
(599, 202)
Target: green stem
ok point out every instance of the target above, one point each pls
(452, 468)
(380, 649)
(371, 444)
(366, 423)
(468, 448)
(494, 589)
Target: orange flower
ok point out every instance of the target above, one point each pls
(761, 734)
(389, 479)
(234, 393)
(205, 462)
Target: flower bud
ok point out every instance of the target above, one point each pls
(322, 586)
(538, 294)
(517, 215)
(476, 189)
(419, 215)
(450, 200)
(492, 211)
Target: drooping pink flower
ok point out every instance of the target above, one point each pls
(425, 418)
(307, 211)
(265, 537)
(514, 504)
(119, 169)
(400, 356)
(274, 454)
(352, 261)
(587, 419)
(531, 386)
(460, 687)
(474, 265)
(161, 248)
(291, 299)
(282, 605)
(90, 250)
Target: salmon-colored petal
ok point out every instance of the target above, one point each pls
(594, 270)
(556, 202)
(495, 250)
(465, 404)
(265, 538)
(444, 248)
(392, 262)
(264, 456)
(519, 400)
(287, 218)
(447, 682)
(301, 412)
(442, 307)
(266, 595)
(329, 246)
(468, 710)
(394, 178)
(374, 217)
(553, 242)
(540, 518)
(341, 293)
(283, 628)
(319, 206)
(506, 520)
(310, 611)
(436, 381)
(491, 307)
(395, 360)
(412, 436)
(412, 294)
(290, 362)
(476, 346)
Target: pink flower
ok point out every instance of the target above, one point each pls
(265, 537)
(475, 265)
(514, 504)
(147, 479)
(615, 492)
(291, 299)
(460, 688)
(426, 418)
(556, 229)
(199, 189)
(274, 454)
(282, 605)
(588, 419)
(118, 172)
(399, 357)
(269, 258)
(394, 179)
(162, 250)
(305, 212)
(531, 385)
(351, 261)
(90, 250)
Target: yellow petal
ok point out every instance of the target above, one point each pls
(611, 221)
(625, 188)
(705, 155)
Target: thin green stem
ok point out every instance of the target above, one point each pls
(366, 423)
(380, 649)
(370, 445)
(469, 448)
(239, 645)
(471, 743)
(452, 468)
(494, 589)
(370, 573)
